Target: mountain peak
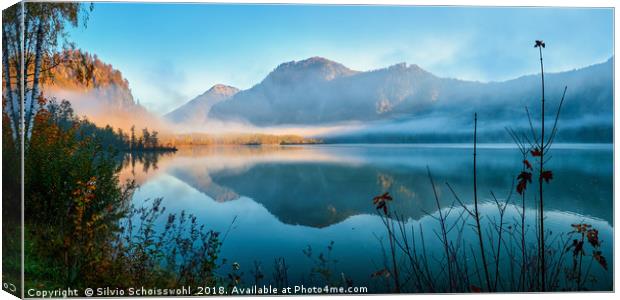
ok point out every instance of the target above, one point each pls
(405, 66)
(315, 66)
(223, 89)
(317, 60)
(314, 60)
(196, 110)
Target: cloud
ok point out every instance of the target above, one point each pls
(441, 54)
(161, 86)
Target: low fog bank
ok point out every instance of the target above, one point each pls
(108, 106)
(441, 128)
(114, 107)
(220, 127)
(459, 128)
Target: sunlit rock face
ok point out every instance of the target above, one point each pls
(96, 90)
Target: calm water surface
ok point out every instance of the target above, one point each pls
(286, 198)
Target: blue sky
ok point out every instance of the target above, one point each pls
(170, 53)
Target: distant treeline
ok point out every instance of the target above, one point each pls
(146, 141)
(239, 139)
(582, 134)
(62, 114)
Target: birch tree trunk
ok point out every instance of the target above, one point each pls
(18, 101)
(34, 102)
(8, 87)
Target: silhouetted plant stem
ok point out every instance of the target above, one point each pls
(540, 177)
(389, 224)
(412, 255)
(521, 142)
(391, 237)
(501, 208)
(523, 252)
(280, 273)
(539, 270)
(476, 213)
(444, 233)
(424, 256)
(583, 235)
(473, 255)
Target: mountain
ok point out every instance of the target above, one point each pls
(402, 97)
(312, 69)
(196, 110)
(318, 90)
(96, 90)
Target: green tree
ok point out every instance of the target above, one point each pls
(132, 142)
(146, 137)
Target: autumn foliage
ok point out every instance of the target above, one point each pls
(81, 227)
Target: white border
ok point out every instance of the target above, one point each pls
(515, 296)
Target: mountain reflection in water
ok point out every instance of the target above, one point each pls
(321, 185)
(285, 198)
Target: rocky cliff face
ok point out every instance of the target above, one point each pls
(96, 90)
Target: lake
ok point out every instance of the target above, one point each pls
(276, 201)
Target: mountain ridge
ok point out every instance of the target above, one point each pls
(394, 90)
(324, 68)
(195, 111)
(399, 91)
